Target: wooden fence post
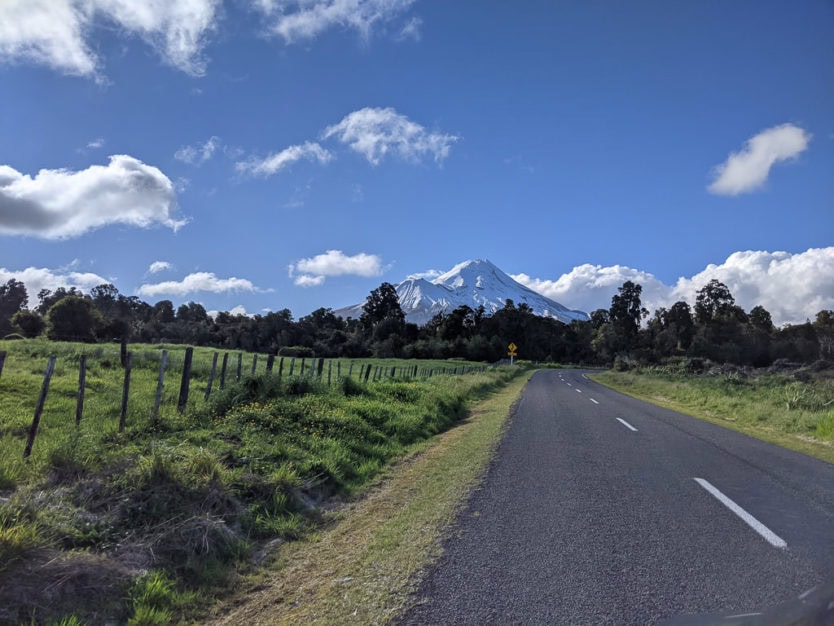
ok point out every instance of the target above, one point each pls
(123, 352)
(394, 372)
(350, 370)
(254, 363)
(223, 370)
(82, 380)
(338, 369)
(125, 391)
(2, 361)
(270, 363)
(159, 383)
(211, 374)
(239, 364)
(292, 364)
(321, 368)
(361, 366)
(33, 429)
(280, 368)
(186, 380)
(329, 370)
(302, 366)
(367, 371)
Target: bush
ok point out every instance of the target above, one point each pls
(297, 351)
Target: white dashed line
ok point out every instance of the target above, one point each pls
(568, 384)
(626, 424)
(594, 401)
(578, 391)
(769, 536)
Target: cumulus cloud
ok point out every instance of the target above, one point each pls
(56, 204)
(375, 133)
(238, 310)
(297, 20)
(56, 33)
(432, 274)
(37, 278)
(196, 282)
(199, 153)
(792, 287)
(277, 161)
(748, 169)
(312, 271)
(305, 280)
(159, 266)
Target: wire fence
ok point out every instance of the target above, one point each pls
(109, 381)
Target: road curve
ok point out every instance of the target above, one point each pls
(602, 509)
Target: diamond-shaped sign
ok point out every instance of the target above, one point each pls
(512, 347)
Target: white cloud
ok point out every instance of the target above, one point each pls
(792, 287)
(96, 143)
(376, 132)
(238, 310)
(196, 282)
(37, 278)
(159, 266)
(411, 30)
(432, 274)
(589, 287)
(296, 20)
(56, 33)
(312, 271)
(305, 280)
(56, 204)
(198, 154)
(278, 161)
(748, 169)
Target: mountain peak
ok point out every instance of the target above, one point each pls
(474, 283)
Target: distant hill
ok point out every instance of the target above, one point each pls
(473, 283)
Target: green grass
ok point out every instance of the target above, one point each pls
(795, 413)
(363, 566)
(191, 496)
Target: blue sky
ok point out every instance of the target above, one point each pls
(266, 154)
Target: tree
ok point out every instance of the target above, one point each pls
(382, 303)
(29, 322)
(714, 302)
(47, 298)
(73, 319)
(625, 314)
(13, 298)
(760, 319)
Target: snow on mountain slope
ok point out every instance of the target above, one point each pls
(473, 283)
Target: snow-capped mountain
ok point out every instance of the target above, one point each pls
(473, 283)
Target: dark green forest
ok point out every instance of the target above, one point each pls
(715, 329)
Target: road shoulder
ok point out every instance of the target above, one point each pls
(364, 565)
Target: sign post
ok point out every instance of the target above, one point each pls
(512, 352)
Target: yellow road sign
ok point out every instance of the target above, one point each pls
(512, 347)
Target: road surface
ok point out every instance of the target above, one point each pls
(602, 509)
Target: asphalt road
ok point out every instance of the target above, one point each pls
(602, 509)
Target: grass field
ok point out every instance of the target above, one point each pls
(795, 411)
(146, 525)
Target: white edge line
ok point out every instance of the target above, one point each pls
(626, 424)
(594, 401)
(772, 538)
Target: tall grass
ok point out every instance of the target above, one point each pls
(799, 406)
(189, 495)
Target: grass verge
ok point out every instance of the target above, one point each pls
(781, 409)
(362, 567)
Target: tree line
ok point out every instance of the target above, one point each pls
(716, 328)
